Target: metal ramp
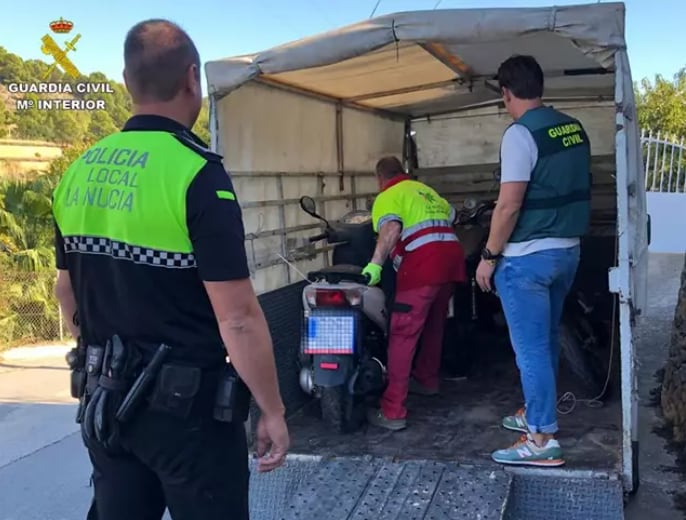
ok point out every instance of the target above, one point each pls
(368, 488)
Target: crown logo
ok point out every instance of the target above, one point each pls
(61, 26)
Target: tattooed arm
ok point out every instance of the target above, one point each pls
(388, 237)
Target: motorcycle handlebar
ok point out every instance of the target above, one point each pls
(317, 238)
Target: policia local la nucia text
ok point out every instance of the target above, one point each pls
(112, 180)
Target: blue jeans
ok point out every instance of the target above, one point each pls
(532, 290)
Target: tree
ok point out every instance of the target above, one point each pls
(4, 121)
(202, 125)
(101, 124)
(662, 104)
(69, 126)
(33, 123)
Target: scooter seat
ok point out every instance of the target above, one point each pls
(338, 273)
(341, 269)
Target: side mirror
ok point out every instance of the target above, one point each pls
(309, 206)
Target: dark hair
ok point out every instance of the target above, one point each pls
(389, 167)
(521, 75)
(157, 54)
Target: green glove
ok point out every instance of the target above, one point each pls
(374, 273)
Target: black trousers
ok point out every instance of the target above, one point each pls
(196, 467)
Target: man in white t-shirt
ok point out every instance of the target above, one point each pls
(533, 247)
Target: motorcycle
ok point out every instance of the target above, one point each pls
(584, 332)
(343, 345)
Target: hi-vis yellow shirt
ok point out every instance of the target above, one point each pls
(410, 203)
(428, 251)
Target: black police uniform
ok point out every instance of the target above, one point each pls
(142, 219)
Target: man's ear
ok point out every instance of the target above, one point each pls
(193, 79)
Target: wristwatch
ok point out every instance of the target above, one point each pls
(489, 257)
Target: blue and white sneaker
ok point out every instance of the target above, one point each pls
(516, 422)
(525, 452)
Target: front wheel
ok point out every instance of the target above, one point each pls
(584, 358)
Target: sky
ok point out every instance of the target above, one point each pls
(654, 28)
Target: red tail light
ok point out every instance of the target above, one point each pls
(331, 298)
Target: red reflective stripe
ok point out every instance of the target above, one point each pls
(425, 231)
(328, 366)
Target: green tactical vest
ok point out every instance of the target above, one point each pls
(117, 199)
(557, 203)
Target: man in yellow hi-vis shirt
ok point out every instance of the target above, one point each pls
(415, 227)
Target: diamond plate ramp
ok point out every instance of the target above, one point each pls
(366, 488)
(551, 498)
(270, 493)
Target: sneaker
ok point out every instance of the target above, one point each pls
(525, 453)
(419, 389)
(516, 422)
(377, 418)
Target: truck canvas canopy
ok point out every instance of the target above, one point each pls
(313, 116)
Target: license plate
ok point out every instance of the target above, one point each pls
(330, 334)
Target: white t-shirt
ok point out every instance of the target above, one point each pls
(518, 157)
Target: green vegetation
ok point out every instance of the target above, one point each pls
(662, 104)
(28, 309)
(65, 127)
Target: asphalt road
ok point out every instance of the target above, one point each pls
(44, 470)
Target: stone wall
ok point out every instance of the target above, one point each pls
(674, 384)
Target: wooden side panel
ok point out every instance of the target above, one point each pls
(473, 136)
(280, 146)
(459, 154)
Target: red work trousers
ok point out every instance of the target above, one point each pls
(416, 312)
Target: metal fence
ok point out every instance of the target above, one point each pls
(665, 162)
(29, 312)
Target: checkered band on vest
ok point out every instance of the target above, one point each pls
(124, 251)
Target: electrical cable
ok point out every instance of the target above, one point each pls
(595, 402)
(437, 4)
(375, 8)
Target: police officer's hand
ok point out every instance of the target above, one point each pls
(272, 442)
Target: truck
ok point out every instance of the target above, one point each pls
(312, 117)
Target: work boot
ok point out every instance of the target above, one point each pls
(377, 418)
(419, 389)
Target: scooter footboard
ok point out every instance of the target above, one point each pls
(332, 370)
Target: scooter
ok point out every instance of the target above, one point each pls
(344, 340)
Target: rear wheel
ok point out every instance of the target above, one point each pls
(340, 410)
(332, 402)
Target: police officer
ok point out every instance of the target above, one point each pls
(534, 245)
(151, 258)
